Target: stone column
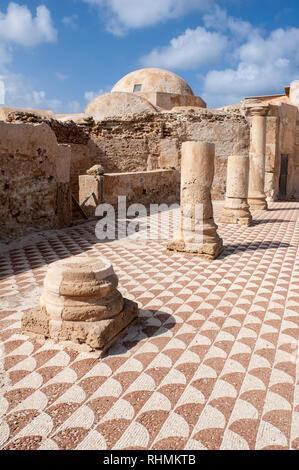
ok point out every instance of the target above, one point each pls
(256, 192)
(198, 230)
(236, 209)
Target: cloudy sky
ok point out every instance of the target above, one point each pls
(59, 54)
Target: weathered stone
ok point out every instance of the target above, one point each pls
(198, 230)
(80, 303)
(169, 154)
(34, 179)
(90, 193)
(256, 192)
(163, 89)
(6, 112)
(96, 170)
(98, 335)
(236, 209)
(142, 187)
(114, 104)
(135, 142)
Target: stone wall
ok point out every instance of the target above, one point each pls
(142, 187)
(297, 158)
(272, 155)
(152, 141)
(149, 141)
(34, 179)
(287, 143)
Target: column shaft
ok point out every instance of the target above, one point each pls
(198, 230)
(236, 209)
(256, 193)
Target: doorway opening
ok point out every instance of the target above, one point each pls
(283, 179)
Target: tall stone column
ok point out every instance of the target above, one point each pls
(236, 209)
(198, 233)
(256, 193)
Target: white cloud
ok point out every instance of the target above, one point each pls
(281, 44)
(221, 21)
(61, 76)
(71, 21)
(90, 95)
(246, 62)
(265, 65)
(18, 25)
(5, 54)
(133, 14)
(19, 93)
(194, 48)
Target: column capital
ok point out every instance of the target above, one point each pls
(256, 108)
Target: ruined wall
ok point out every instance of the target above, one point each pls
(34, 179)
(297, 158)
(287, 143)
(140, 142)
(142, 187)
(272, 166)
(152, 141)
(281, 138)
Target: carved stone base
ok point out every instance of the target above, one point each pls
(235, 213)
(98, 335)
(209, 250)
(258, 204)
(80, 303)
(234, 217)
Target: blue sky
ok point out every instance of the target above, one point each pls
(58, 54)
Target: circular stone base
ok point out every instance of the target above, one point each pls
(258, 204)
(80, 303)
(235, 216)
(206, 250)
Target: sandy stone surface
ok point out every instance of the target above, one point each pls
(236, 208)
(212, 364)
(80, 303)
(198, 231)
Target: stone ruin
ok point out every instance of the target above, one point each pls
(198, 230)
(132, 138)
(80, 303)
(152, 141)
(236, 208)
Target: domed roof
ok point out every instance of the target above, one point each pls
(153, 80)
(116, 104)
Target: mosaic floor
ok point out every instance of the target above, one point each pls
(212, 364)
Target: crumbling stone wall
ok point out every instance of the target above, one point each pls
(144, 187)
(34, 179)
(140, 142)
(151, 141)
(297, 157)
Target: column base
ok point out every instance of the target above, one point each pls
(235, 216)
(258, 204)
(98, 335)
(209, 250)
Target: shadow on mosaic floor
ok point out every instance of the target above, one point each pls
(256, 246)
(269, 221)
(143, 330)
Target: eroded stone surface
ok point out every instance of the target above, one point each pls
(198, 230)
(257, 113)
(80, 303)
(236, 209)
